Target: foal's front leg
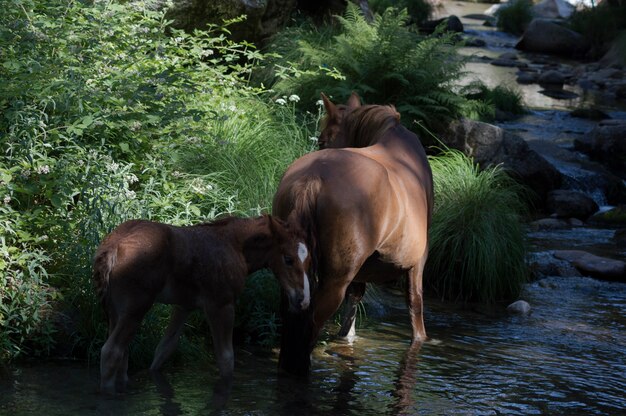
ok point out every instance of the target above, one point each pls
(221, 320)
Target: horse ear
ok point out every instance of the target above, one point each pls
(354, 101)
(331, 109)
(276, 228)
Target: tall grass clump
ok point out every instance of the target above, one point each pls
(477, 247)
(515, 16)
(107, 114)
(385, 62)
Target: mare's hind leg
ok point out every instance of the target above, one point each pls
(415, 302)
(354, 294)
(169, 342)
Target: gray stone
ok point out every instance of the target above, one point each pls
(570, 204)
(551, 77)
(490, 145)
(594, 266)
(545, 36)
(520, 307)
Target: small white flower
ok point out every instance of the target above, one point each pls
(43, 170)
(113, 167)
(44, 238)
(177, 174)
(129, 194)
(7, 199)
(319, 103)
(294, 98)
(281, 101)
(132, 178)
(313, 139)
(232, 108)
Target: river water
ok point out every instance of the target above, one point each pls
(567, 357)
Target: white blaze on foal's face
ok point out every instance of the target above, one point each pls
(303, 254)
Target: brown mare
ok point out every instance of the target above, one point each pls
(365, 202)
(202, 266)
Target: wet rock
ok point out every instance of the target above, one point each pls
(545, 36)
(509, 63)
(544, 264)
(452, 24)
(608, 145)
(551, 77)
(619, 237)
(475, 42)
(570, 204)
(594, 266)
(590, 114)
(559, 94)
(520, 307)
(527, 78)
(613, 216)
(549, 224)
(491, 145)
(553, 9)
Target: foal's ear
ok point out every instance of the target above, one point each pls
(331, 109)
(354, 101)
(276, 227)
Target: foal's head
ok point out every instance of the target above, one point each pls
(288, 257)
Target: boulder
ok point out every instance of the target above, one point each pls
(551, 77)
(490, 145)
(520, 307)
(615, 216)
(553, 9)
(594, 266)
(263, 18)
(608, 145)
(545, 36)
(570, 204)
(452, 24)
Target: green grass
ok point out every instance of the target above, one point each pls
(503, 98)
(477, 247)
(515, 17)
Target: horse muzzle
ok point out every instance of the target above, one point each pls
(298, 301)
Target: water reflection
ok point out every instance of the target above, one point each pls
(567, 357)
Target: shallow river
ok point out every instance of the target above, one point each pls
(568, 357)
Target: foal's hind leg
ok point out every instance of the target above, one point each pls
(169, 342)
(113, 356)
(415, 302)
(354, 294)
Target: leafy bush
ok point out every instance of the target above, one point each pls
(106, 118)
(477, 247)
(384, 62)
(515, 16)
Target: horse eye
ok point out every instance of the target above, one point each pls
(288, 260)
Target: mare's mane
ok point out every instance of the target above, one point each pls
(367, 123)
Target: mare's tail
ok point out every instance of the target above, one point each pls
(104, 261)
